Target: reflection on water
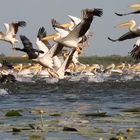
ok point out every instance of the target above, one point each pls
(63, 101)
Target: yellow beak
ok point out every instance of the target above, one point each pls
(18, 66)
(24, 56)
(135, 6)
(124, 24)
(68, 24)
(49, 37)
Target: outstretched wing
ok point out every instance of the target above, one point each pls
(135, 53)
(135, 12)
(26, 42)
(42, 33)
(128, 35)
(84, 25)
(12, 28)
(60, 29)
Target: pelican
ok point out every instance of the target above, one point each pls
(28, 48)
(42, 45)
(45, 46)
(75, 36)
(133, 33)
(132, 6)
(45, 61)
(11, 31)
(63, 32)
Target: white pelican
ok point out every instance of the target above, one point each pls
(132, 6)
(63, 32)
(133, 33)
(75, 36)
(45, 46)
(11, 31)
(42, 45)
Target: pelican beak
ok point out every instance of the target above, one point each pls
(68, 24)
(135, 6)
(124, 24)
(49, 37)
(17, 67)
(24, 56)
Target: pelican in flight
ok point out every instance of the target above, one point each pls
(75, 36)
(11, 31)
(132, 6)
(28, 48)
(133, 33)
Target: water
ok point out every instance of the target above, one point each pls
(65, 103)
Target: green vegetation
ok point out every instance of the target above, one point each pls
(15, 59)
(13, 113)
(105, 60)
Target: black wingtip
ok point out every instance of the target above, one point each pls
(98, 12)
(113, 40)
(53, 21)
(135, 53)
(22, 23)
(41, 32)
(118, 14)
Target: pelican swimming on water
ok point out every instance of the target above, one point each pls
(133, 33)
(132, 6)
(11, 31)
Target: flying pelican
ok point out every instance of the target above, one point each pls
(45, 46)
(42, 45)
(75, 36)
(132, 6)
(45, 61)
(28, 48)
(133, 33)
(11, 31)
(62, 30)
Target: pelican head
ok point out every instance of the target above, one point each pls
(129, 24)
(135, 6)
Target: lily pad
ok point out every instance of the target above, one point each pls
(13, 113)
(94, 114)
(70, 129)
(55, 114)
(36, 137)
(135, 110)
(16, 130)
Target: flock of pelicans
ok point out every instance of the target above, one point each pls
(61, 58)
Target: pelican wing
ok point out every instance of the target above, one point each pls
(128, 35)
(12, 28)
(60, 29)
(58, 49)
(15, 26)
(75, 20)
(84, 25)
(28, 48)
(42, 33)
(135, 12)
(64, 66)
(7, 27)
(51, 52)
(26, 42)
(135, 53)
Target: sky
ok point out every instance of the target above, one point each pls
(38, 13)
